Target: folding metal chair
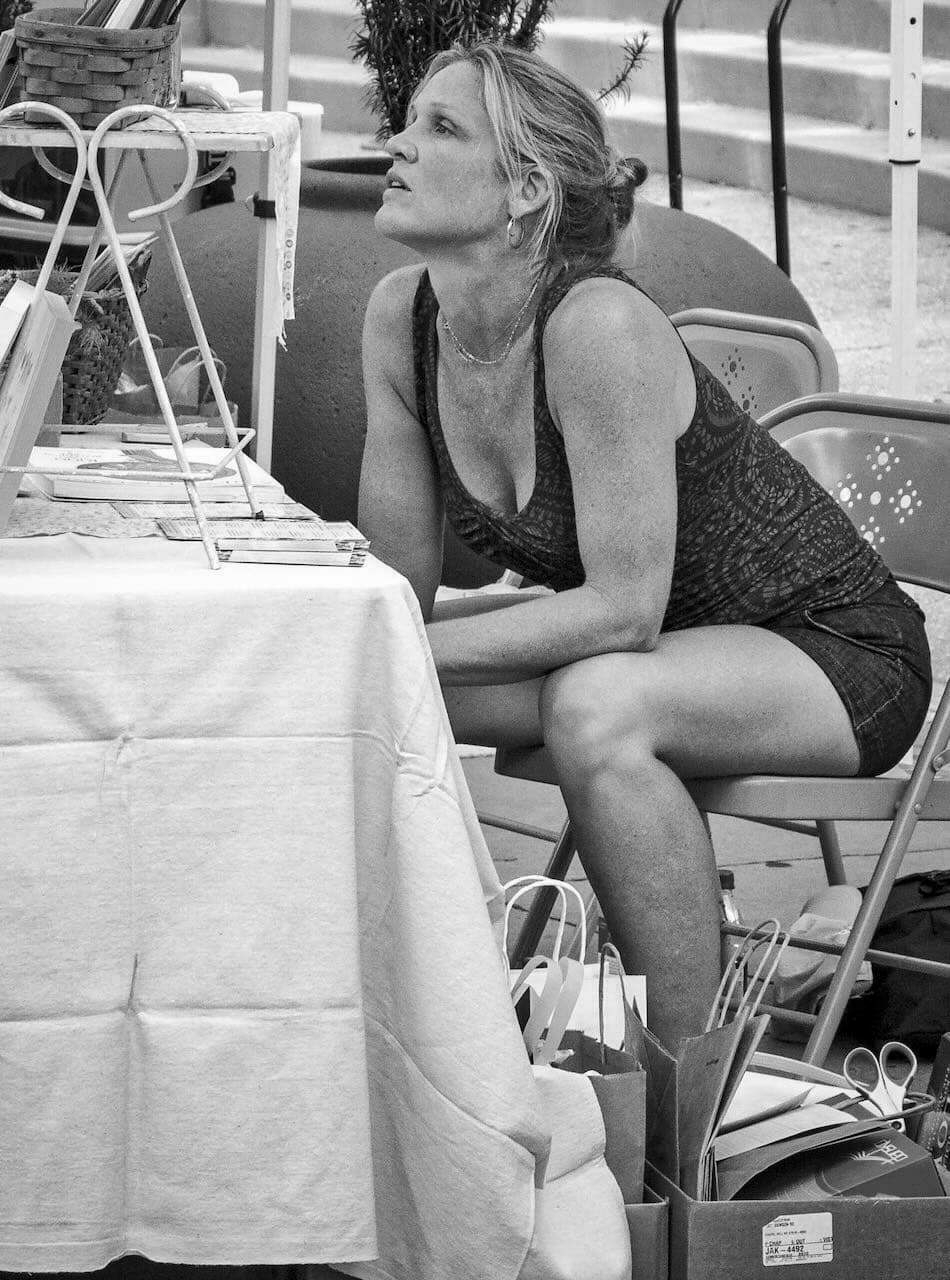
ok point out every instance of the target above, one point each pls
(762, 361)
(887, 462)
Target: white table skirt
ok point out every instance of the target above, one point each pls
(252, 1008)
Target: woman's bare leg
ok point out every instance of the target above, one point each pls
(622, 730)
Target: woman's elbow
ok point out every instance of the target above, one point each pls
(640, 635)
(631, 626)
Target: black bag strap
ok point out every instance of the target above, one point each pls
(918, 893)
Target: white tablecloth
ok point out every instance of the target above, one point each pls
(251, 1003)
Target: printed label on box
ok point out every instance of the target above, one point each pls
(795, 1239)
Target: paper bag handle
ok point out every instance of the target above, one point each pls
(531, 882)
(545, 1003)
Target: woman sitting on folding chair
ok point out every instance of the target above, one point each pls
(709, 608)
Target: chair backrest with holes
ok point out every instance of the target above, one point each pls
(892, 477)
(762, 361)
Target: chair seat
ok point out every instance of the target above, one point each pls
(767, 796)
(839, 799)
(531, 764)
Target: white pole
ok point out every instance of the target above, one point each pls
(904, 153)
(276, 54)
(267, 302)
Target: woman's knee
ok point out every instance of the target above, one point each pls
(596, 718)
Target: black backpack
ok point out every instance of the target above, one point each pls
(911, 1007)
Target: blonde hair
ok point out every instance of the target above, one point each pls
(541, 118)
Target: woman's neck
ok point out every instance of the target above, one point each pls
(482, 302)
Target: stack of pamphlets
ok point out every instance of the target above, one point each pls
(249, 541)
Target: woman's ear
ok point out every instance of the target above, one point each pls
(531, 194)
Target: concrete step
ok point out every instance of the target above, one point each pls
(837, 164)
(822, 80)
(340, 85)
(859, 23)
(318, 28)
(849, 86)
(326, 27)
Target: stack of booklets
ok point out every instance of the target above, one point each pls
(310, 541)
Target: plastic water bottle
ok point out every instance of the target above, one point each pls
(728, 945)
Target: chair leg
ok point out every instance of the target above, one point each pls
(831, 851)
(542, 902)
(862, 931)
(875, 898)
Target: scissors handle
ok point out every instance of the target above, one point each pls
(898, 1064)
(861, 1069)
(881, 1078)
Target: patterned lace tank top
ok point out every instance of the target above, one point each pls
(757, 536)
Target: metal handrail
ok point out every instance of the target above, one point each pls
(776, 121)
(777, 127)
(671, 94)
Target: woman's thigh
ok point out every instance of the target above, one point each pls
(497, 715)
(709, 701)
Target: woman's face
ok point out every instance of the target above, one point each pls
(445, 186)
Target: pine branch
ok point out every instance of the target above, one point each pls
(399, 37)
(633, 50)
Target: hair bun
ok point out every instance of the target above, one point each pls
(623, 177)
(635, 170)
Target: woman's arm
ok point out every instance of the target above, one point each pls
(620, 388)
(400, 508)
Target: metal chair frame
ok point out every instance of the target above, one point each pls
(763, 361)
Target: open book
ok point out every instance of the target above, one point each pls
(126, 474)
(37, 349)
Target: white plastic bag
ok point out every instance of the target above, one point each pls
(580, 1223)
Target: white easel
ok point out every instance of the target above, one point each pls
(159, 130)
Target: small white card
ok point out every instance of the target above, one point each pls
(797, 1239)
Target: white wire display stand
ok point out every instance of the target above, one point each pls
(153, 129)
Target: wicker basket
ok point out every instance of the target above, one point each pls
(97, 349)
(90, 71)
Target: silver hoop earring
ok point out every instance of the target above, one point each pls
(515, 233)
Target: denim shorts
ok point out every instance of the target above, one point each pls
(876, 655)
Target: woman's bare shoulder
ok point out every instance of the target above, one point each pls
(605, 338)
(607, 306)
(392, 298)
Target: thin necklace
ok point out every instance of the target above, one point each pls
(469, 356)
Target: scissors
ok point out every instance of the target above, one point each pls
(882, 1079)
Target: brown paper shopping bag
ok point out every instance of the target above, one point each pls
(620, 1084)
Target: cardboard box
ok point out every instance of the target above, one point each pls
(849, 1238)
(934, 1129)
